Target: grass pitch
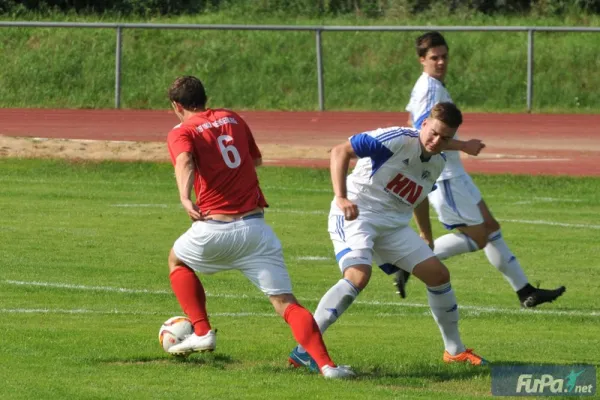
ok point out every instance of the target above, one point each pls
(84, 289)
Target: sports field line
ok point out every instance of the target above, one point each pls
(323, 212)
(470, 309)
(116, 312)
(518, 221)
(550, 223)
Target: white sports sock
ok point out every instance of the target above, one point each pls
(445, 312)
(453, 244)
(504, 260)
(333, 304)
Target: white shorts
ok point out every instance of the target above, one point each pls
(456, 202)
(248, 245)
(371, 236)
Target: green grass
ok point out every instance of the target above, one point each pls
(73, 326)
(74, 68)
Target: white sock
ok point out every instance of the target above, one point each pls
(445, 312)
(333, 304)
(504, 260)
(453, 244)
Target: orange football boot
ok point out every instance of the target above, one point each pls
(466, 356)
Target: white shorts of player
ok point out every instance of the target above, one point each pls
(376, 237)
(247, 245)
(456, 202)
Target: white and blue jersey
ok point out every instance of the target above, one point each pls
(426, 93)
(390, 178)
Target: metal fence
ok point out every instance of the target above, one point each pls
(318, 30)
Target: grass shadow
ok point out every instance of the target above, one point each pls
(213, 360)
(425, 372)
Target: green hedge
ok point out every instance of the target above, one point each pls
(307, 8)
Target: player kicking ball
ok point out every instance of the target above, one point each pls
(214, 154)
(370, 215)
(458, 202)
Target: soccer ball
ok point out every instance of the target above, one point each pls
(174, 331)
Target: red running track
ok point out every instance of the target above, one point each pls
(553, 144)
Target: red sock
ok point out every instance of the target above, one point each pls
(307, 334)
(190, 293)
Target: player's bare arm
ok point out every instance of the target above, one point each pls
(340, 161)
(184, 174)
(471, 147)
(257, 162)
(421, 214)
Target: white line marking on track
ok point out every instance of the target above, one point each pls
(475, 310)
(313, 258)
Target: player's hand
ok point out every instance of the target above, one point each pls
(473, 147)
(192, 209)
(349, 209)
(427, 239)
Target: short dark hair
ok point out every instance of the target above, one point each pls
(189, 92)
(428, 41)
(448, 113)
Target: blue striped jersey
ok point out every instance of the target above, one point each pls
(390, 176)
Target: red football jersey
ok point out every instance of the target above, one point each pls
(224, 150)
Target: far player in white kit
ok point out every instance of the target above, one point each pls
(370, 215)
(458, 202)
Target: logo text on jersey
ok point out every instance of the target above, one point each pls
(216, 124)
(405, 188)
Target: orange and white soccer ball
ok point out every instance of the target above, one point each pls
(174, 331)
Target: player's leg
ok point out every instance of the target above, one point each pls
(352, 243)
(190, 293)
(184, 259)
(307, 334)
(412, 254)
(356, 271)
(265, 268)
(500, 256)
(456, 203)
(444, 308)
(341, 295)
(333, 304)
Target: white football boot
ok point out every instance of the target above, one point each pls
(339, 372)
(194, 343)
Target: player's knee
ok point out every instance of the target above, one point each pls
(492, 226)
(442, 276)
(480, 240)
(358, 275)
(432, 272)
(281, 301)
(175, 262)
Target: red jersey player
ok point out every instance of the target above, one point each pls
(213, 150)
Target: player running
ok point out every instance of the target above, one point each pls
(458, 202)
(370, 216)
(213, 152)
